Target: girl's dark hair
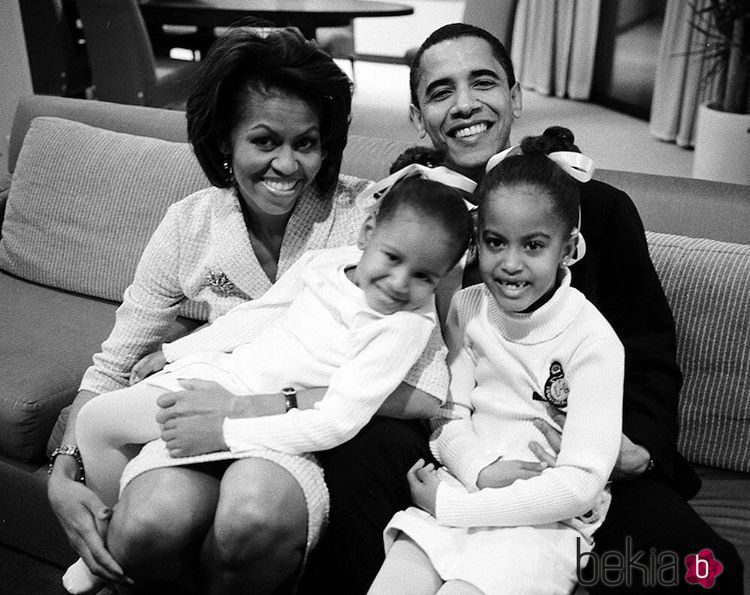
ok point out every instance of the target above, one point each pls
(427, 156)
(244, 59)
(458, 31)
(534, 167)
(434, 201)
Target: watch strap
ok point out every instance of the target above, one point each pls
(72, 451)
(290, 398)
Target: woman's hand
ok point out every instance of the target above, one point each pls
(84, 518)
(147, 365)
(423, 483)
(192, 419)
(502, 473)
(632, 461)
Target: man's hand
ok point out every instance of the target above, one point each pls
(147, 365)
(632, 461)
(502, 473)
(423, 483)
(192, 419)
(84, 518)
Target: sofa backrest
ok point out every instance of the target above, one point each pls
(695, 208)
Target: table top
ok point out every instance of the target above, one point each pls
(308, 13)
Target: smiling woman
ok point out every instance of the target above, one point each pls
(267, 119)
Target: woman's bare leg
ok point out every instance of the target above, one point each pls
(258, 538)
(406, 569)
(160, 521)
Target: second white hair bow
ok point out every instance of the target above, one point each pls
(370, 198)
(576, 165)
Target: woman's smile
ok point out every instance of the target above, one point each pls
(276, 150)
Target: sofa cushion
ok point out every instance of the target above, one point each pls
(84, 201)
(708, 286)
(48, 337)
(722, 502)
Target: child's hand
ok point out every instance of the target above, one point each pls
(502, 473)
(423, 483)
(148, 364)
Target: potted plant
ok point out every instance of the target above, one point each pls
(722, 145)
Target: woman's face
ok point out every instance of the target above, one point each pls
(275, 150)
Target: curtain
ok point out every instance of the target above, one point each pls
(554, 45)
(680, 71)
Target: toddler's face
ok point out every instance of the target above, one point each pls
(522, 243)
(403, 261)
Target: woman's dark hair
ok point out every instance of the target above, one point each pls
(434, 201)
(244, 59)
(458, 31)
(535, 168)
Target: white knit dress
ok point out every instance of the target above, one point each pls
(312, 328)
(522, 538)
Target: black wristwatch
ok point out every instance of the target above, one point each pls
(290, 398)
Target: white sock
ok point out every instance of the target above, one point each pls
(79, 579)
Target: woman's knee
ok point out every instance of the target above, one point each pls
(158, 517)
(261, 516)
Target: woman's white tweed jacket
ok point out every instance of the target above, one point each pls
(200, 263)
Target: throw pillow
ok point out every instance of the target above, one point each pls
(84, 202)
(707, 284)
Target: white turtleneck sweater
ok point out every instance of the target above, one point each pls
(499, 361)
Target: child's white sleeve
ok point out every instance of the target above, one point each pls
(382, 353)
(454, 443)
(245, 321)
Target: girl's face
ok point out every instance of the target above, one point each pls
(275, 150)
(522, 243)
(403, 261)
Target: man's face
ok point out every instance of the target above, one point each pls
(465, 104)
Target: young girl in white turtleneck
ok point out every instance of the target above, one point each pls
(501, 516)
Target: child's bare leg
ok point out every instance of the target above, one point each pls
(107, 429)
(406, 569)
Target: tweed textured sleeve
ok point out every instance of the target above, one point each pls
(382, 352)
(150, 304)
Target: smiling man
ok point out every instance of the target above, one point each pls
(464, 97)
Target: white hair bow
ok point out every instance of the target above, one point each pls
(576, 165)
(370, 198)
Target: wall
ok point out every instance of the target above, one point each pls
(391, 36)
(15, 77)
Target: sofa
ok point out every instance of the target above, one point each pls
(91, 180)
